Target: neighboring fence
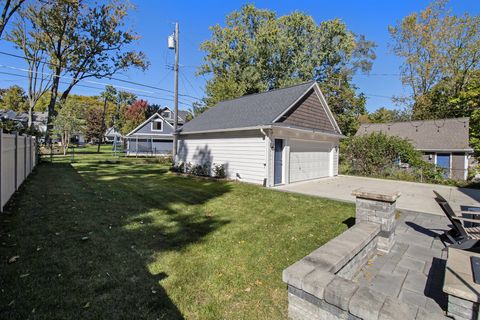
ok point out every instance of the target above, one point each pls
(17, 160)
(405, 172)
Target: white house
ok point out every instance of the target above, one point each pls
(271, 138)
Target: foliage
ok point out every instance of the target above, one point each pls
(383, 115)
(94, 124)
(196, 109)
(254, 53)
(10, 126)
(134, 115)
(34, 51)
(13, 98)
(202, 170)
(219, 171)
(83, 39)
(441, 64)
(436, 45)
(68, 122)
(7, 9)
(379, 155)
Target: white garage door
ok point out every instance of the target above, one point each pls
(309, 160)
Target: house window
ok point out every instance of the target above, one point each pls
(157, 125)
(166, 114)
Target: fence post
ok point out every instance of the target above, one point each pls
(25, 157)
(16, 160)
(1, 156)
(30, 155)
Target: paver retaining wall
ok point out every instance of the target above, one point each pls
(320, 285)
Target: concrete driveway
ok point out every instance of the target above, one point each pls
(416, 197)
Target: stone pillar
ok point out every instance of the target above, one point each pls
(378, 207)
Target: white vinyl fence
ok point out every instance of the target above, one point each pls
(17, 160)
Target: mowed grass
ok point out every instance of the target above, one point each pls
(155, 245)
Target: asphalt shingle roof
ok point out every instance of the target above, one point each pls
(443, 134)
(247, 111)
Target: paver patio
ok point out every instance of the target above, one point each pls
(416, 197)
(413, 270)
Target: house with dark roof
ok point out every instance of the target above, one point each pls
(271, 138)
(154, 136)
(443, 142)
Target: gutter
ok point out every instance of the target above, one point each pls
(179, 132)
(470, 150)
(263, 127)
(335, 135)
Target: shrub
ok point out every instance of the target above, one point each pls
(219, 171)
(202, 170)
(379, 155)
(165, 160)
(178, 167)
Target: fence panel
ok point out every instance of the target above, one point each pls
(17, 160)
(28, 159)
(20, 159)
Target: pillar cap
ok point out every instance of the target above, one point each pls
(386, 196)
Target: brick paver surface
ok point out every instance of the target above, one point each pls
(413, 270)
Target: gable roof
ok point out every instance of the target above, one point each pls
(153, 116)
(182, 114)
(427, 135)
(252, 110)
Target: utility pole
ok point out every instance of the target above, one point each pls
(175, 98)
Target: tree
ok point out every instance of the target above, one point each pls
(258, 51)
(8, 9)
(436, 46)
(84, 39)
(68, 122)
(383, 115)
(134, 115)
(13, 98)
(94, 124)
(34, 52)
(441, 66)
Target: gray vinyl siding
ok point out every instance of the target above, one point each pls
(242, 153)
(146, 129)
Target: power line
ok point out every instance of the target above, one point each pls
(108, 77)
(97, 88)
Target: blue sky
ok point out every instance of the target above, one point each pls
(153, 20)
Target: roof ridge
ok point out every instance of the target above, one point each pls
(263, 92)
(406, 121)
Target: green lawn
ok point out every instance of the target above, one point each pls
(159, 246)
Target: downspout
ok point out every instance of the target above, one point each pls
(267, 167)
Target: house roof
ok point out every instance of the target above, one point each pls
(153, 116)
(112, 132)
(182, 115)
(427, 135)
(249, 111)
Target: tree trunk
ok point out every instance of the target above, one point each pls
(30, 114)
(51, 105)
(102, 131)
(64, 143)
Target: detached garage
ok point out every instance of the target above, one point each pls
(272, 138)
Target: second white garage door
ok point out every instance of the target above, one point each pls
(309, 160)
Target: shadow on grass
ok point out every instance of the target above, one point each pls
(124, 216)
(349, 222)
